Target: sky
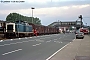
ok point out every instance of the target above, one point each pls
(48, 11)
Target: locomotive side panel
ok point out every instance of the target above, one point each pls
(28, 28)
(24, 29)
(19, 28)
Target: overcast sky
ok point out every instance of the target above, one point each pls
(49, 11)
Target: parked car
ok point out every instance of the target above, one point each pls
(84, 30)
(79, 34)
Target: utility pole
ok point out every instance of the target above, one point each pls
(32, 13)
(81, 20)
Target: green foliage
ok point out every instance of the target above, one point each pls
(12, 17)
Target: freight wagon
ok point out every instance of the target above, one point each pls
(42, 30)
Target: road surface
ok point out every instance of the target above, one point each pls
(33, 48)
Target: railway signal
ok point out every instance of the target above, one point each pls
(81, 20)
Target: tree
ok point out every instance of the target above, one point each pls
(37, 21)
(12, 17)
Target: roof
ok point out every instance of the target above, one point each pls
(54, 23)
(2, 21)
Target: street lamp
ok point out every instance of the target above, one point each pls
(32, 13)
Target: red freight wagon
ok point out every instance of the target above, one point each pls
(44, 29)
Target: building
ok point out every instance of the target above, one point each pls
(66, 25)
(2, 23)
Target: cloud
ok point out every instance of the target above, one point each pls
(83, 6)
(69, 14)
(51, 11)
(48, 10)
(2, 17)
(41, 4)
(37, 1)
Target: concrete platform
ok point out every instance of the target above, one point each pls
(79, 47)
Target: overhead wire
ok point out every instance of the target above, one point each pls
(77, 19)
(86, 17)
(84, 20)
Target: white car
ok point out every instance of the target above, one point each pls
(79, 35)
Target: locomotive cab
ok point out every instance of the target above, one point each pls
(10, 27)
(10, 30)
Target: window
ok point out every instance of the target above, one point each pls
(9, 27)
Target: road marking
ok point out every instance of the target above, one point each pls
(57, 42)
(6, 44)
(1, 45)
(26, 38)
(15, 43)
(39, 40)
(33, 45)
(42, 38)
(38, 36)
(34, 37)
(74, 39)
(57, 51)
(28, 41)
(19, 38)
(36, 44)
(19, 42)
(31, 40)
(48, 41)
(12, 51)
(11, 39)
(30, 37)
(1, 40)
(55, 39)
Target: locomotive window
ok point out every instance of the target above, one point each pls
(9, 27)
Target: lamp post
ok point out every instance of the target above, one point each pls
(32, 13)
(86, 24)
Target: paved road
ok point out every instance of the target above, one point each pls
(33, 48)
(79, 47)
